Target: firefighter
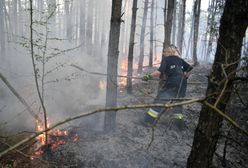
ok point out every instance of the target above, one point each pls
(174, 72)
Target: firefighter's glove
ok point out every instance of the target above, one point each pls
(146, 77)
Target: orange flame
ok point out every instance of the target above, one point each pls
(102, 84)
(54, 138)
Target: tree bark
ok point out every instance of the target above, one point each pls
(197, 9)
(131, 47)
(174, 21)
(233, 25)
(168, 17)
(82, 23)
(142, 37)
(89, 27)
(68, 7)
(113, 53)
(212, 27)
(2, 34)
(151, 35)
(181, 24)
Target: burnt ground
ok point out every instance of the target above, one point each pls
(128, 146)
(134, 145)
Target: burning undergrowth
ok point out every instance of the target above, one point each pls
(46, 145)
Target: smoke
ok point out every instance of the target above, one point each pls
(67, 91)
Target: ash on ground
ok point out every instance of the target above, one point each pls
(134, 145)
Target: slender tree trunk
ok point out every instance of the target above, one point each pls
(82, 23)
(151, 35)
(174, 21)
(2, 34)
(168, 23)
(181, 24)
(52, 5)
(15, 23)
(35, 68)
(20, 22)
(233, 25)
(142, 37)
(96, 28)
(155, 30)
(89, 27)
(212, 27)
(68, 7)
(197, 9)
(131, 47)
(113, 53)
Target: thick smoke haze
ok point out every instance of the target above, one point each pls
(65, 33)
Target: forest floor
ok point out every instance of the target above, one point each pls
(134, 145)
(128, 146)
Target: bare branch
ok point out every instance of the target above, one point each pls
(21, 99)
(226, 117)
(94, 112)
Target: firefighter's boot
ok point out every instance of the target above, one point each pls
(151, 117)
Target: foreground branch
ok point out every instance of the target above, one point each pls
(226, 117)
(200, 100)
(123, 76)
(97, 111)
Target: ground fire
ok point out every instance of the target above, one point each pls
(54, 139)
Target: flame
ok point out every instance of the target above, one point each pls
(102, 84)
(54, 138)
(123, 72)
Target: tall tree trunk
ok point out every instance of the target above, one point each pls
(174, 23)
(14, 22)
(155, 30)
(197, 9)
(168, 18)
(131, 47)
(142, 37)
(151, 35)
(96, 30)
(2, 34)
(82, 23)
(20, 28)
(181, 24)
(113, 53)
(212, 27)
(233, 25)
(89, 27)
(68, 7)
(52, 5)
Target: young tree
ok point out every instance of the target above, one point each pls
(113, 53)
(131, 47)
(197, 9)
(142, 37)
(233, 25)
